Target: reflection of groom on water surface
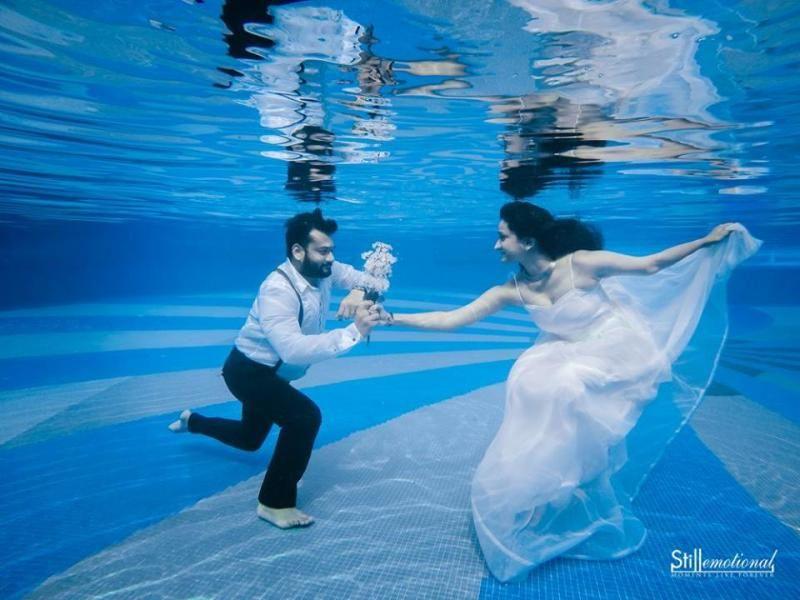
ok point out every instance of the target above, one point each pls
(289, 49)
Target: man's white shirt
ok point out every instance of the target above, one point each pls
(272, 332)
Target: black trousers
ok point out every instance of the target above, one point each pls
(266, 399)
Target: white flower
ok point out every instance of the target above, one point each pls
(378, 265)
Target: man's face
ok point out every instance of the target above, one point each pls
(318, 258)
(508, 244)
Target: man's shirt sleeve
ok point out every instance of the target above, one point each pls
(278, 311)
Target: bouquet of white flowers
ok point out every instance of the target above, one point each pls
(378, 265)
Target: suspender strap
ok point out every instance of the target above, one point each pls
(300, 314)
(299, 299)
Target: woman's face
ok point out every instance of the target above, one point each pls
(508, 244)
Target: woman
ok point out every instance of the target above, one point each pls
(558, 479)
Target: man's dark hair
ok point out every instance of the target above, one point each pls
(298, 228)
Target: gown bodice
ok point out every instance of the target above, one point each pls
(576, 314)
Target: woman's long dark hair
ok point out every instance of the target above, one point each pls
(555, 237)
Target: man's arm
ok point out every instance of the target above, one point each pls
(350, 303)
(345, 276)
(278, 309)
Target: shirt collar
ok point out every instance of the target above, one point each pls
(300, 282)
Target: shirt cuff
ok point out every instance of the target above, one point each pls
(353, 334)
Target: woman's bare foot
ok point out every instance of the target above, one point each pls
(285, 518)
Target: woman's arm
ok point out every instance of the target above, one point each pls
(601, 263)
(484, 305)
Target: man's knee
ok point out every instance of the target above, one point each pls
(251, 444)
(316, 416)
(253, 439)
(311, 418)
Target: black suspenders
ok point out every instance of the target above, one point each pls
(299, 316)
(299, 299)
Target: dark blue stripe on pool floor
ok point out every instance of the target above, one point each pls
(56, 325)
(771, 396)
(20, 373)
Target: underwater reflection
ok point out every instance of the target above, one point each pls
(311, 179)
(284, 45)
(630, 73)
(236, 14)
(582, 83)
(294, 52)
(638, 60)
(587, 83)
(541, 133)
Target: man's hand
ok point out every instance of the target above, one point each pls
(367, 317)
(348, 307)
(385, 317)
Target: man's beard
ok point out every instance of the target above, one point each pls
(314, 271)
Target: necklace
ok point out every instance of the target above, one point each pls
(542, 275)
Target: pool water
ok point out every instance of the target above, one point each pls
(154, 149)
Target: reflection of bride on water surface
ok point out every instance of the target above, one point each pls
(558, 478)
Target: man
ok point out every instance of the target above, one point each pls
(282, 336)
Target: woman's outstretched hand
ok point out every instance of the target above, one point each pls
(384, 316)
(719, 233)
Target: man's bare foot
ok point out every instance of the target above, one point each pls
(285, 518)
(182, 424)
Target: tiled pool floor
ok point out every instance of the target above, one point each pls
(98, 498)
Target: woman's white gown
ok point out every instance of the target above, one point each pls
(590, 407)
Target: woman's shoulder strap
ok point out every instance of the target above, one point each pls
(516, 286)
(571, 273)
